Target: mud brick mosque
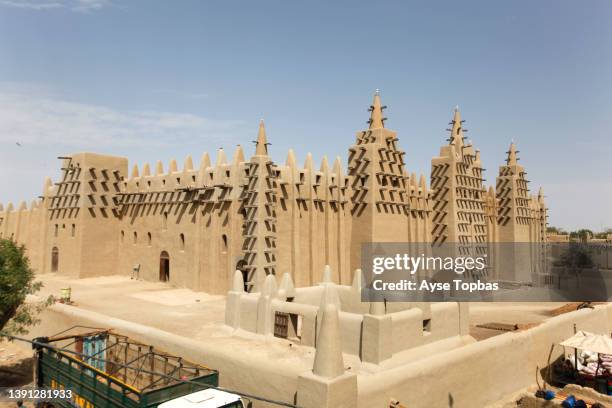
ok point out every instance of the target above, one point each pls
(195, 226)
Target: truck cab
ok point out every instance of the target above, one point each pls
(208, 398)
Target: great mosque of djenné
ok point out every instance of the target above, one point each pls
(195, 226)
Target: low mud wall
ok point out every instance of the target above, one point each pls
(472, 376)
(483, 372)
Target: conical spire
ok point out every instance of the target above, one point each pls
(423, 184)
(204, 164)
(291, 160)
(377, 120)
(172, 167)
(270, 286)
(238, 155)
(261, 145)
(308, 162)
(221, 159)
(287, 285)
(47, 185)
(159, 168)
(204, 161)
(328, 361)
(337, 168)
(324, 165)
(146, 170)
(238, 283)
(135, 171)
(188, 165)
(491, 192)
(512, 157)
(457, 129)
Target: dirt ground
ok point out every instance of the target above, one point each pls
(16, 369)
(198, 315)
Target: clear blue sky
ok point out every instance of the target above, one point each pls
(190, 76)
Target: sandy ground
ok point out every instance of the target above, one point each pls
(198, 315)
(194, 315)
(156, 304)
(190, 313)
(16, 368)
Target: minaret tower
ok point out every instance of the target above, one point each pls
(518, 222)
(260, 220)
(379, 201)
(458, 198)
(512, 192)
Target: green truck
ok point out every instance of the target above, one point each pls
(102, 369)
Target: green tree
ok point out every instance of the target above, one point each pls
(555, 230)
(604, 234)
(16, 283)
(582, 234)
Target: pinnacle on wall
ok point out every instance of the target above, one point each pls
(188, 164)
(172, 167)
(238, 155)
(221, 158)
(328, 361)
(159, 168)
(291, 160)
(135, 171)
(238, 282)
(146, 170)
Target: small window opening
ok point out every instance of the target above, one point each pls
(224, 241)
(427, 325)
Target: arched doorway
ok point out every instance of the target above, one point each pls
(164, 267)
(54, 259)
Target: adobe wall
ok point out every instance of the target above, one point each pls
(246, 372)
(482, 372)
(473, 375)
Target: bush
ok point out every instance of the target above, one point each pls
(16, 283)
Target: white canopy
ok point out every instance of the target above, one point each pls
(591, 342)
